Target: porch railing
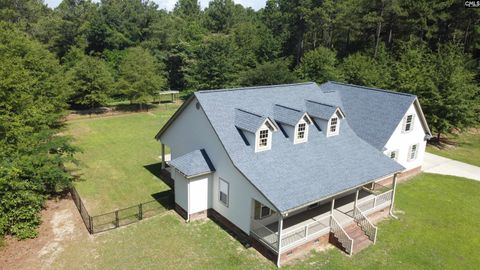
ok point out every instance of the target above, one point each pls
(364, 223)
(341, 235)
(264, 235)
(306, 232)
(378, 200)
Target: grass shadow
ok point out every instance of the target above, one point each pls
(163, 175)
(164, 198)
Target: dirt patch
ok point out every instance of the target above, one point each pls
(61, 223)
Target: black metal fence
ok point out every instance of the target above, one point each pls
(125, 216)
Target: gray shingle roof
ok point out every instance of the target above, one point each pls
(291, 175)
(248, 121)
(286, 115)
(372, 113)
(194, 163)
(320, 110)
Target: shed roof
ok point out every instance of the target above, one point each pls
(287, 115)
(193, 164)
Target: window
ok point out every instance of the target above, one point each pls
(223, 191)
(334, 126)
(262, 211)
(301, 131)
(263, 142)
(413, 151)
(408, 123)
(393, 154)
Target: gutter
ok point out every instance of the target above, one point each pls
(285, 213)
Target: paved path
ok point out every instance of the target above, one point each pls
(440, 165)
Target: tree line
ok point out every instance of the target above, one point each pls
(85, 54)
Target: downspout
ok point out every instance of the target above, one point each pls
(280, 226)
(188, 200)
(393, 196)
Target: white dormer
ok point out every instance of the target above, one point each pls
(333, 126)
(255, 129)
(301, 129)
(263, 137)
(328, 117)
(294, 123)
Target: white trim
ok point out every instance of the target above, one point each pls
(411, 124)
(305, 135)
(414, 152)
(220, 180)
(337, 126)
(389, 154)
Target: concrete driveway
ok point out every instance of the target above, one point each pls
(440, 165)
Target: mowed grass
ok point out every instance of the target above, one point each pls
(466, 148)
(437, 229)
(119, 154)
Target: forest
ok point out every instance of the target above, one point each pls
(84, 54)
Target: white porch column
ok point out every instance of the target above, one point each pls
(393, 194)
(333, 206)
(163, 156)
(280, 227)
(356, 199)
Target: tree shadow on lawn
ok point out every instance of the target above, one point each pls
(163, 175)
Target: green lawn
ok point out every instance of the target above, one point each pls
(437, 229)
(119, 156)
(466, 148)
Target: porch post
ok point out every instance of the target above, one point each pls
(333, 206)
(163, 156)
(393, 195)
(280, 227)
(356, 199)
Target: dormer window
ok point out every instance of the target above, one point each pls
(408, 123)
(333, 126)
(263, 136)
(301, 131)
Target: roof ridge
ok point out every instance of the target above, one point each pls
(286, 107)
(251, 87)
(252, 113)
(374, 89)
(321, 103)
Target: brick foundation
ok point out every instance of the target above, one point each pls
(317, 243)
(199, 215)
(262, 249)
(404, 176)
(181, 211)
(229, 227)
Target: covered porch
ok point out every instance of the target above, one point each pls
(303, 225)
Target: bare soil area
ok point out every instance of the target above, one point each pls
(61, 224)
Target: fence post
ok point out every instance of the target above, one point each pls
(90, 222)
(117, 222)
(140, 212)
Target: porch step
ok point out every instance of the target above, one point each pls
(360, 239)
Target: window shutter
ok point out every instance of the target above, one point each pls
(413, 121)
(404, 125)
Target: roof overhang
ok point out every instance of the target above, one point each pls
(174, 116)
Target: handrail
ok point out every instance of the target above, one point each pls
(265, 234)
(364, 223)
(341, 234)
(302, 233)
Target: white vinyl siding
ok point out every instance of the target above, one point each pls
(223, 191)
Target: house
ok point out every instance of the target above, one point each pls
(294, 167)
